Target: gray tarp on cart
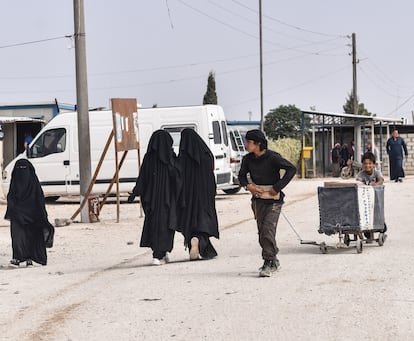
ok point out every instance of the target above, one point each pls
(339, 211)
(379, 208)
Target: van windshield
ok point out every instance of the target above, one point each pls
(175, 133)
(50, 142)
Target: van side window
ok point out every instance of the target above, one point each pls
(216, 132)
(233, 142)
(224, 130)
(50, 142)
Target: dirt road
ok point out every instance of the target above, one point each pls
(98, 284)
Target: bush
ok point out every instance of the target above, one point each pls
(288, 147)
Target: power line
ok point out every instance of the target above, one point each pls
(290, 25)
(35, 41)
(384, 77)
(401, 105)
(244, 32)
(309, 81)
(170, 67)
(217, 20)
(376, 84)
(201, 76)
(256, 23)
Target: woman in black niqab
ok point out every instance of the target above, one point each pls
(157, 185)
(30, 229)
(197, 217)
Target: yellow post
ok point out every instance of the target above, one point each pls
(306, 154)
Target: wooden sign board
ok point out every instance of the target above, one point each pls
(125, 120)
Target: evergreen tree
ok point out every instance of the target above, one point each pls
(349, 106)
(210, 96)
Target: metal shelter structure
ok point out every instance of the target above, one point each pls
(329, 125)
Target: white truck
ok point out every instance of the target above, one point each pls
(54, 152)
(237, 151)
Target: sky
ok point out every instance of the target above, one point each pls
(161, 52)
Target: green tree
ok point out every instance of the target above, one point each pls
(285, 121)
(210, 96)
(349, 106)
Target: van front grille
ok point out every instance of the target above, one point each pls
(223, 178)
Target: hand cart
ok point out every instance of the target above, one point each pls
(355, 212)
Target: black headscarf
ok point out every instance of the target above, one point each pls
(197, 211)
(157, 185)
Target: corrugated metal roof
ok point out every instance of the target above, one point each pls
(356, 117)
(11, 119)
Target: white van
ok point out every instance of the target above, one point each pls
(208, 121)
(54, 152)
(237, 151)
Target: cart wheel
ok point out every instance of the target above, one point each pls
(381, 239)
(359, 246)
(347, 240)
(323, 248)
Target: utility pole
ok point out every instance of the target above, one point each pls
(354, 73)
(82, 106)
(357, 127)
(261, 67)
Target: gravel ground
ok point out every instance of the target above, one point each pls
(99, 284)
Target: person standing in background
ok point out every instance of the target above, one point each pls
(344, 155)
(336, 160)
(396, 148)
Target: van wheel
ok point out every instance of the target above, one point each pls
(232, 190)
(51, 199)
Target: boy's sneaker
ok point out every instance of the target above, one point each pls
(266, 269)
(29, 263)
(194, 251)
(274, 265)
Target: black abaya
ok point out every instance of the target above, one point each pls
(30, 229)
(157, 185)
(197, 209)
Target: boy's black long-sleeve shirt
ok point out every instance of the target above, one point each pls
(265, 170)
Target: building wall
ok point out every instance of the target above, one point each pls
(408, 164)
(407, 133)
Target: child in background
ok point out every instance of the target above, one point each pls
(369, 174)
